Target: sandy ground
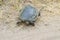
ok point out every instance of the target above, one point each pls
(47, 26)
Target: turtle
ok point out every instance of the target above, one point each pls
(28, 15)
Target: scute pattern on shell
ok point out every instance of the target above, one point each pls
(29, 13)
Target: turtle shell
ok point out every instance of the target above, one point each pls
(29, 13)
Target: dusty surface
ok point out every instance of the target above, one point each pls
(47, 26)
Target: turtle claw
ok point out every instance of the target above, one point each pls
(18, 23)
(32, 24)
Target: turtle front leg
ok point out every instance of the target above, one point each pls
(39, 14)
(32, 24)
(19, 22)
